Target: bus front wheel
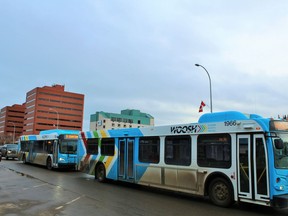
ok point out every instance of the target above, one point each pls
(49, 163)
(221, 193)
(100, 173)
(24, 159)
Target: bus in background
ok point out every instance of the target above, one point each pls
(51, 148)
(227, 156)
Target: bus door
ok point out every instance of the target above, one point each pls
(31, 151)
(55, 152)
(252, 168)
(126, 159)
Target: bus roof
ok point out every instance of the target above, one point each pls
(38, 137)
(59, 131)
(226, 116)
(220, 122)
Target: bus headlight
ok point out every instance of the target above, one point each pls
(280, 184)
(279, 187)
(61, 159)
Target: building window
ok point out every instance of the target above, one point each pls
(178, 150)
(214, 150)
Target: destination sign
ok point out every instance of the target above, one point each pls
(71, 136)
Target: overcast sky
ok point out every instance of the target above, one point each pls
(141, 54)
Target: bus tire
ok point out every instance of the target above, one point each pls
(24, 159)
(221, 192)
(100, 173)
(49, 163)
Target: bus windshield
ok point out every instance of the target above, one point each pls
(281, 154)
(68, 146)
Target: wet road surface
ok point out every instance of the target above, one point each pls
(33, 190)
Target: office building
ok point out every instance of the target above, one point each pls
(50, 107)
(11, 123)
(129, 118)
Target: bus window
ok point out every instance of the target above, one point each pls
(92, 146)
(261, 171)
(38, 147)
(24, 146)
(214, 150)
(178, 150)
(149, 149)
(68, 146)
(107, 146)
(48, 146)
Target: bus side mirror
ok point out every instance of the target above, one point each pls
(279, 143)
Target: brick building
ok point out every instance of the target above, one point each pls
(50, 107)
(11, 122)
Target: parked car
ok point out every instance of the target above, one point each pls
(9, 151)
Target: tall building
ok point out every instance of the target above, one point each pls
(11, 123)
(129, 118)
(51, 107)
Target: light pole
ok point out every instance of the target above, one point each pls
(13, 131)
(198, 65)
(57, 115)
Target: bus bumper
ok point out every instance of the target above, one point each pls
(280, 201)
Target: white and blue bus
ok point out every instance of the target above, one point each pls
(51, 148)
(227, 156)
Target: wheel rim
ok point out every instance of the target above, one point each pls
(100, 172)
(221, 191)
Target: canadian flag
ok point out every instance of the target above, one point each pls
(201, 106)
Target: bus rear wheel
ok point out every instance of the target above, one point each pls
(100, 173)
(221, 193)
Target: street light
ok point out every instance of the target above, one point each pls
(57, 115)
(13, 131)
(198, 65)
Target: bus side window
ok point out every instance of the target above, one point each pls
(149, 149)
(178, 150)
(24, 146)
(92, 146)
(49, 146)
(214, 150)
(108, 146)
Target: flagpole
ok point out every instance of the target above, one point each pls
(198, 65)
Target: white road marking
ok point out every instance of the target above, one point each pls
(40, 185)
(70, 202)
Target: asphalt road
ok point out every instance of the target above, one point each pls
(33, 190)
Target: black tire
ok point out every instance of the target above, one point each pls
(221, 192)
(24, 159)
(100, 173)
(49, 163)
